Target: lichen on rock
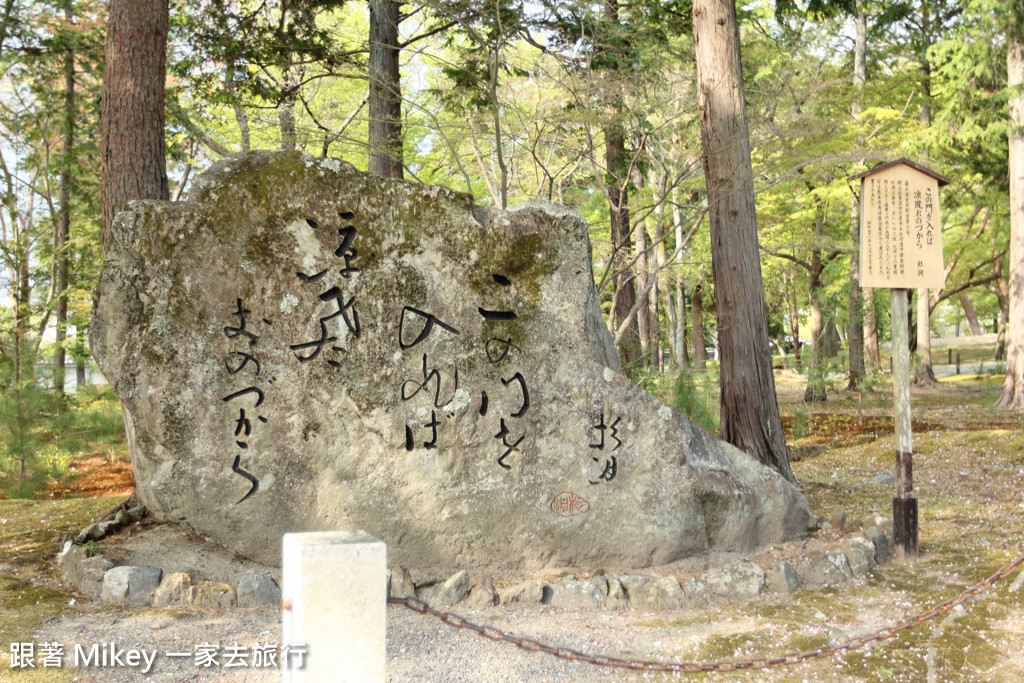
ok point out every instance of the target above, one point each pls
(301, 346)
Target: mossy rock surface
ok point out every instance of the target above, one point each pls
(301, 346)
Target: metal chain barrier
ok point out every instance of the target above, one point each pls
(531, 645)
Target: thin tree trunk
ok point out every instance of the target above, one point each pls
(385, 95)
(855, 333)
(286, 107)
(749, 409)
(815, 391)
(924, 373)
(1012, 395)
(132, 105)
(793, 312)
(700, 354)
(855, 312)
(618, 205)
(64, 217)
(640, 260)
(871, 354)
(972, 317)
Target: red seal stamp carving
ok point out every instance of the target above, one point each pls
(567, 504)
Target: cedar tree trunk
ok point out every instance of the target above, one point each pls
(749, 410)
(132, 107)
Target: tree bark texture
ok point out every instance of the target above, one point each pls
(924, 373)
(972, 317)
(700, 354)
(64, 215)
(871, 354)
(618, 205)
(855, 332)
(815, 391)
(855, 309)
(749, 410)
(385, 95)
(1013, 386)
(132, 107)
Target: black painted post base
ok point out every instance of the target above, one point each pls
(904, 521)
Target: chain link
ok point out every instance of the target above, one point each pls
(531, 645)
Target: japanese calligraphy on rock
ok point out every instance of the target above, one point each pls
(301, 346)
(900, 230)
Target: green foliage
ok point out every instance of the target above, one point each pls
(692, 396)
(39, 440)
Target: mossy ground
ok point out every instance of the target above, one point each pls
(969, 480)
(969, 474)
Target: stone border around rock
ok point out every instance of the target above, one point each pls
(95, 576)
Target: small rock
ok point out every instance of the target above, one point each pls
(837, 636)
(782, 578)
(136, 514)
(633, 584)
(661, 592)
(815, 570)
(838, 558)
(450, 592)
(173, 590)
(574, 594)
(740, 580)
(121, 518)
(69, 560)
(1018, 583)
(130, 585)
(213, 594)
(528, 592)
(860, 554)
(482, 593)
(883, 546)
(838, 520)
(93, 570)
(697, 592)
(615, 598)
(256, 589)
(401, 584)
(884, 480)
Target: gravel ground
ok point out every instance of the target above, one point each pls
(419, 648)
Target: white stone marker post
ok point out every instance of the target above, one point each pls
(335, 602)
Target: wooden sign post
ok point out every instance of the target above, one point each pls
(901, 248)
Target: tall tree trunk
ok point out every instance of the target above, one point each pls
(855, 333)
(1012, 395)
(749, 409)
(815, 391)
(871, 355)
(700, 354)
(640, 260)
(64, 215)
(132, 107)
(286, 106)
(972, 317)
(385, 97)
(618, 204)
(793, 313)
(924, 373)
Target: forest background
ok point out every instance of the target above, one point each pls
(593, 105)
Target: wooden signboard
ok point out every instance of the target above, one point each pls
(900, 235)
(901, 248)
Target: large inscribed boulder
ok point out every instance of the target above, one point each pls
(301, 346)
